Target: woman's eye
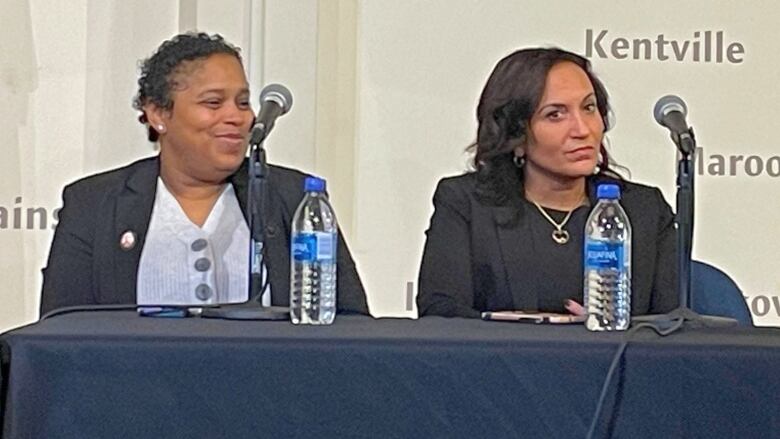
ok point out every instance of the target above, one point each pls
(554, 115)
(590, 107)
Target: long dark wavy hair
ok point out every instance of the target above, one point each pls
(507, 103)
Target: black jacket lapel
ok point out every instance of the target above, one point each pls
(509, 220)
(277, 241)
(133, 213)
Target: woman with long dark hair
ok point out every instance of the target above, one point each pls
(509, 235)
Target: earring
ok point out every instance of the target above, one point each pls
(161, 128)
(519, 160)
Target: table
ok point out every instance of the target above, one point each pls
(114, 374)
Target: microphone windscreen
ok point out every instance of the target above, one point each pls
(667, 104)
(279, 94)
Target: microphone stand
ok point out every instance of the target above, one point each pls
(686, 145)
(257, 195)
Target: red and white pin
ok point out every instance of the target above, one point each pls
(128, 240)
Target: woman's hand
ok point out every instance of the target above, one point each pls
(574, 307)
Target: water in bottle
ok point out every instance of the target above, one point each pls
(607, 263)
(313, 247)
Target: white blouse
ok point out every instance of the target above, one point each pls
(183, 264)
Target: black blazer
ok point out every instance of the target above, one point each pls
(87, 266)
(467, 264)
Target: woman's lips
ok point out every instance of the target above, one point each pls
(232, 141)
(581, 153)
(231, 136)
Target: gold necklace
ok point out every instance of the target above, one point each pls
(559, 235)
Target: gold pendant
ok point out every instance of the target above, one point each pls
(560, 236)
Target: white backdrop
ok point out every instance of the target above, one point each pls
(385, 95)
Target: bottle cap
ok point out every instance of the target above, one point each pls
(608, 191)
(314, 184)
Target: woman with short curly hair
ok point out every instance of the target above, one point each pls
(172, 229)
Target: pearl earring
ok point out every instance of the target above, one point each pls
(160, 127)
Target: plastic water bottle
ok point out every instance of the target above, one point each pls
(607, 262)
(313, 258)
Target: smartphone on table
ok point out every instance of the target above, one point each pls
(532, 317)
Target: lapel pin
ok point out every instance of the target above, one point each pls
(127, 241)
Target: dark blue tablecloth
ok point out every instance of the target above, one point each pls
(113, 374)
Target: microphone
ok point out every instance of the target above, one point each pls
(670, 112)
(275, 101)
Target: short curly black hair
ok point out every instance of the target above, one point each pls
(159, 72)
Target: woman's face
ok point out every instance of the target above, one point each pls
(206, 132)
(566, 130)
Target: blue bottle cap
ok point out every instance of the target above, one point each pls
(608, 191)
(314, 184)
